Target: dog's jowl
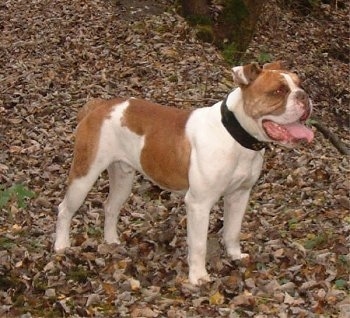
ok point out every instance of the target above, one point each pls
(205, 153)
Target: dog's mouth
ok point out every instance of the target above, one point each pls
(288, 133)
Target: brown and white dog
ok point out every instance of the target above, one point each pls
(205, 153)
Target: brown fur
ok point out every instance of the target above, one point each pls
(165, 156)
(278, 65)
(272, 95)
(251, 71)
(90, 119)
(89, 107)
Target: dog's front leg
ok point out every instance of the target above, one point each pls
(197, 229)
(235, 205)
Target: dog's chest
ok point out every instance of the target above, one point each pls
(246, 169)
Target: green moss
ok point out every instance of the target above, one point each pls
(229, 52)
(19, 301)
(106, 308)
(293, 223)
(173, 78)
(235, 11)
(78, 274)
(317, 241)
(341, 284)
(205, 33)
(39, 285)
(264, 57)
(6, 243)
(40, 307)
(161, 29)
(94, 231)
(199, 20)
(7, 282)
(19, 193)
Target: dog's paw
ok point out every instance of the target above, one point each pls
(237, 255)
(112, 240)
(199, 278)
(244, 256)
(200, 281)
(60, 248)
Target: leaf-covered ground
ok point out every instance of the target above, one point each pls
(55, 56)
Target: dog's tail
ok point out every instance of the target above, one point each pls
(88, 108)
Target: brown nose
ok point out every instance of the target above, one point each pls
(302, 97)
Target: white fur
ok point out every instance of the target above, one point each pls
(239, 76)
(217, 168)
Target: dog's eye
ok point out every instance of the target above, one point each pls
(280, 91)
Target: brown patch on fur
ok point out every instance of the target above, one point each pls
(267, 94)
(90, 118)
(295, 78)
(89, 107)
(165, 157)
(277, 65)
(251, 71)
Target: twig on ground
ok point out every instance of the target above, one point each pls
(333, 138)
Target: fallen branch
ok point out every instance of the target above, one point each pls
(333, 138)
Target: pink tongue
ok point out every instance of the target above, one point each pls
(299, 131)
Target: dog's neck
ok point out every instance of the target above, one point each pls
(235, 129)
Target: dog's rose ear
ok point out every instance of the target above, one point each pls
(244, 75)
(278, 65)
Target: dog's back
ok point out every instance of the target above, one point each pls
(88, 108)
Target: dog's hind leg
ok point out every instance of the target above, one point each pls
(85, 170)
(121, 176)
(77, 191)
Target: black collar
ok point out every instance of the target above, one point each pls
(235, 129)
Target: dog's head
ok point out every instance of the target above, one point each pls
(275, 102)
